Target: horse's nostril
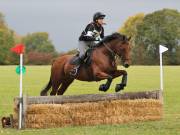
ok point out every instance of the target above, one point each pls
(126, 65)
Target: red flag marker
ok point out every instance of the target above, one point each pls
(18, 49)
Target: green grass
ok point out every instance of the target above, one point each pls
(140, 78)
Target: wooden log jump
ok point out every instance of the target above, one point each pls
(89, 109)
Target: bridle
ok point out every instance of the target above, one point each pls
(113, 54)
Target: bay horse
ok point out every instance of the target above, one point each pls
(103, 66)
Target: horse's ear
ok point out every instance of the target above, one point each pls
(124, 38)
(129, 38)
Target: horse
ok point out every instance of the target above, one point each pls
(103, 66)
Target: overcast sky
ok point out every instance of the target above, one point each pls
(64, 20)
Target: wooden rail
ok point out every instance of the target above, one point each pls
(90, 97)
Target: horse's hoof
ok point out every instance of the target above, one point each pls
(103, 87)
(43, 94)
(119, 87)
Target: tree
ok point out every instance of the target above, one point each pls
(39, 48)
(129, 29)
(72, 52)
(6, 42)
(160, 27)
(2, 21)
(38, 42)
(39, 58)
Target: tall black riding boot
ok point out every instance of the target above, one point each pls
(78, 60)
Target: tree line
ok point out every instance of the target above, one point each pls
(39, 48)
(147, 32)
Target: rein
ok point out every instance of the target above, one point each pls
(113, 54)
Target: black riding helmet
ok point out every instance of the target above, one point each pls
(98, 15)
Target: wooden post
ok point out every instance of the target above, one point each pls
(24, 108)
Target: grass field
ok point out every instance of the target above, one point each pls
(140, 78)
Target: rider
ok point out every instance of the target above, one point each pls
(92, 34)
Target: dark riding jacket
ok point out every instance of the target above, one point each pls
(92, 32)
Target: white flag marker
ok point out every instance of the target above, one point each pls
(161, 50)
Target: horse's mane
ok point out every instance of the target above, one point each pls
(111, 37)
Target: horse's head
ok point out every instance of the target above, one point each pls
(122, 48)
(120, 45)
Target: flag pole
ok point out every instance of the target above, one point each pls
(161, 73)
(19, 49)
(161, 50)
(20, 93)
(161, 79)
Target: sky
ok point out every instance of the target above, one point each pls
(64, 20)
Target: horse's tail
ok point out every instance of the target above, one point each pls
(49, 85)
(45, 90)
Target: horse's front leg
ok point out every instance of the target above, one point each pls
(123, 81)
(101, 76)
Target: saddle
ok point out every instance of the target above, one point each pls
(79, 63)
(87, 60)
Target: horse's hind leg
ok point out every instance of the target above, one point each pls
(65, 84)
(45, 90)
(55, 87)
